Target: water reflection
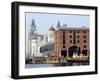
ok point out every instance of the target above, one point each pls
(56, 65)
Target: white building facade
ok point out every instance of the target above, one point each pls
(36, 41)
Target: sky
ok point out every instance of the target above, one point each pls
(44, 21)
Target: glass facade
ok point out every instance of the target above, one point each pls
(47, 48)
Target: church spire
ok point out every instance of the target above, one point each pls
(64, 25)
(58, 25)
(33, 31)
(33, 25)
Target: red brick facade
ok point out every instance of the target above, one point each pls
(71, 38)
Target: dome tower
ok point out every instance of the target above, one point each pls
(51, 34)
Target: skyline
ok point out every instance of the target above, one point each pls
(44, 21)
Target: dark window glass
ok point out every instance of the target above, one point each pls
(84, 41)
(63, 37)
(84, 46)
(70, 41)
(70, 36)
(74, 37)
(84, 36)
(63, 46)
(84, 52)
(77, 36)
(78, 41)
(63, 41)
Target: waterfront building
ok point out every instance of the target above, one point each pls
(48, 47)
(71, 42)
(32, 36)
(62, 42)
(45, 39)
(50, 34)
(37, 41)
(34, 42)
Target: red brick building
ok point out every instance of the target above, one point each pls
(71, 40)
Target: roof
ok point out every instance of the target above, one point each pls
(73, 28)
(51, 28)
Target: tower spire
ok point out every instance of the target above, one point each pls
(33, 25)
(64, 25)
(33, 31)
(58, 25)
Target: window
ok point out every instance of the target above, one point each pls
(70, 41)
(63, 46)
(70, 36)
(77, 36)
(84, 36)
(84, 52)
(63, 37)
(84, 46)
(78, 41)
(63, 41)
(84, 41)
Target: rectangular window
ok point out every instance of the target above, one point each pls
(63, 37)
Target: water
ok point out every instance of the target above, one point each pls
(56, 65)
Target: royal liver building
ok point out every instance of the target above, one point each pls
(36, 41)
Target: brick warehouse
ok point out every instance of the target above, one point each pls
(71, 40)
